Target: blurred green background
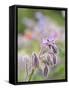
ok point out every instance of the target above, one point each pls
(55, 15)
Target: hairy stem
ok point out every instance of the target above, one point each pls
(30, 77)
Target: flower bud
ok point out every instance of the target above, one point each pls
(49, 62)
(54, 59)
(54, 48)
(35, 60)
(46, 70)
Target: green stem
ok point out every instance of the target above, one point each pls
(30, 77)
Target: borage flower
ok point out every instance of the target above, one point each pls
(50, 42)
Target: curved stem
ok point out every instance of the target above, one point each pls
(30, 77)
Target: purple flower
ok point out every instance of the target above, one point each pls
(41, 21)
(44, 41)
(39, 15)
(52, 37)
(50, 40)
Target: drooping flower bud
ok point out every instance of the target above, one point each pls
(49, 62)
(54, 48)
(46, 70)
(54, 59)
(35, 60)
